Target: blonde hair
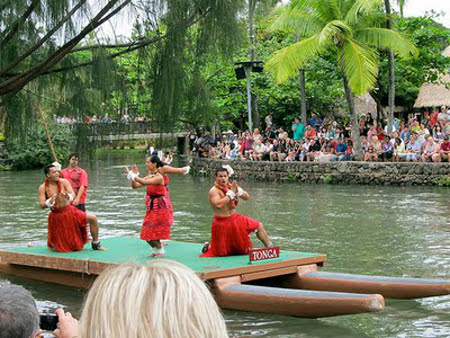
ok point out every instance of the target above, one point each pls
(161, 299)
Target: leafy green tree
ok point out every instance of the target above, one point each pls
(353, 29)
(431, 38)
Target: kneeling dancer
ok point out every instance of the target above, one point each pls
(67, 225)
(230, 231)
(159, 215)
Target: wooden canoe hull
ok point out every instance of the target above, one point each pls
(231, 294)
(308, 278)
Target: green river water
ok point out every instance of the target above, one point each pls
(392, 231)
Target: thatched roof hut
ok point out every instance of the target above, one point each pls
(435, 94)
(365, 104)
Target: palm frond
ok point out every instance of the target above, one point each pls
(333, 29)
(306, 24)
(287, 61)
(359, 8)
(359, 64)
(383, 38)
(318, 7)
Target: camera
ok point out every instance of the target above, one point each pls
(48, 321)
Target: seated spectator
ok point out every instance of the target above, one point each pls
(348, 155)
(258, 149)
(256, 135)
(159, 299)
(266, 151)
(310, 132)
(282, 135)
(445, 149)
(322, 133)
(291, 150)
(399, 150)
(430, 150)
(327, 154)
(413, 149)
(415, 126)
(433, 118)
(387, 150)
(278, 152)
(19, 316)
(373, 149)
(438, 135)
(341, 147)
(315, 122)
(313, 150)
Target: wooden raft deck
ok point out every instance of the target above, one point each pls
(80, 268)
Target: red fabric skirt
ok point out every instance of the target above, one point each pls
(158, 218)
(230, 235)
(67, 229)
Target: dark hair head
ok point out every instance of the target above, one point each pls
(221, 170)
(73, 155)
(47, 168)
(157, 161)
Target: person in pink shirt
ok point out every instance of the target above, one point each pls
(78, 179)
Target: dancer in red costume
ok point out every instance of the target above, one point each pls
(230, 231)
(67, 226)
(159, 215)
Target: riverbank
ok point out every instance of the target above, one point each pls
(371, 173)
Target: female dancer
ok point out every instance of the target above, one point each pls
(159, 215)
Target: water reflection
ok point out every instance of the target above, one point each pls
(394, 231)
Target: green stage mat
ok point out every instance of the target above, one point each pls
(127, 249)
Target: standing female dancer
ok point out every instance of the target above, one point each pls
(159, 215)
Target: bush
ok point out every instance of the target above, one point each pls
(33, 151)
(443, 182)
(329, 179)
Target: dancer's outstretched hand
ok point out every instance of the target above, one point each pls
(235, 186)
(134, 169)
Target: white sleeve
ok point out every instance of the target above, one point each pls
(49, 203)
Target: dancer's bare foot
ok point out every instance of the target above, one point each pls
(97, 246)
(156, 255)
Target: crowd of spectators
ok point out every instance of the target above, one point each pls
(423, 137)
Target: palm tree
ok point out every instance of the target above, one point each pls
(354, 29)
(391, 63)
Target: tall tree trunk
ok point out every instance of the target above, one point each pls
(391, 66)
(251, 11)
(302, 90)
(303, 95)
(355, 121)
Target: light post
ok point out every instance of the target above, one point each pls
(243, 70)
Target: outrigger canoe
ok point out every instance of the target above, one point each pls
(288, 285)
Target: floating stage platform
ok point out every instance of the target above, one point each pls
(288, 285)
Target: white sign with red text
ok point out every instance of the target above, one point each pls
(264, 253)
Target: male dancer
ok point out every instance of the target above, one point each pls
(67, 225)
(78, 179)
(230, 231)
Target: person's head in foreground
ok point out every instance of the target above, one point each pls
(19, 316)
(161, 299)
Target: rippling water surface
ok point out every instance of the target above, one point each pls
(393, 231)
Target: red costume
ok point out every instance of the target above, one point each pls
(159, 215)
(231, 235)
(67, 227)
